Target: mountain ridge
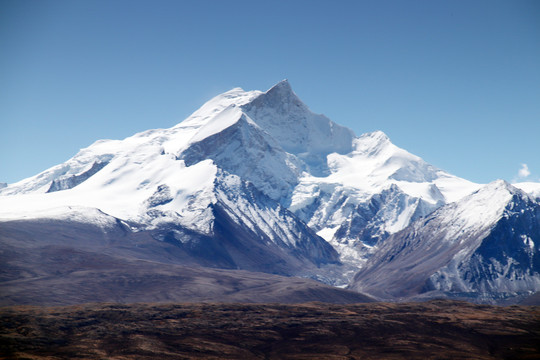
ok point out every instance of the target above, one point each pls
(482, 247)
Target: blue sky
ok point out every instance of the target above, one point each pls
(455, 82)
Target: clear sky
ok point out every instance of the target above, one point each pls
(454, 82)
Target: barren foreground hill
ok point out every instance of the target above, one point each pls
(432, 330)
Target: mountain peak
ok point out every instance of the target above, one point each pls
(499, 184)
(483, 207)
(372, 143)
(281, 98)
(298, 130)
(502, 187)
(377, 137)
(282, 85)
(235, 97)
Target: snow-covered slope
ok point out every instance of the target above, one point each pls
(483, 247)
(375, 190)
(531, 188)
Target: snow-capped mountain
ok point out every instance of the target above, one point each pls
(483, 247)
(253, 180)
(352, 190)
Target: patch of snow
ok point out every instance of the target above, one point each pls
(70, 213)
(328, 233)
(528, 242)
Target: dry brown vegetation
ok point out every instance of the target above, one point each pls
(432, 330)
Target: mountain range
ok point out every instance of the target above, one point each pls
(256, 183)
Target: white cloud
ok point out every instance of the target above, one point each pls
(524, 171)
